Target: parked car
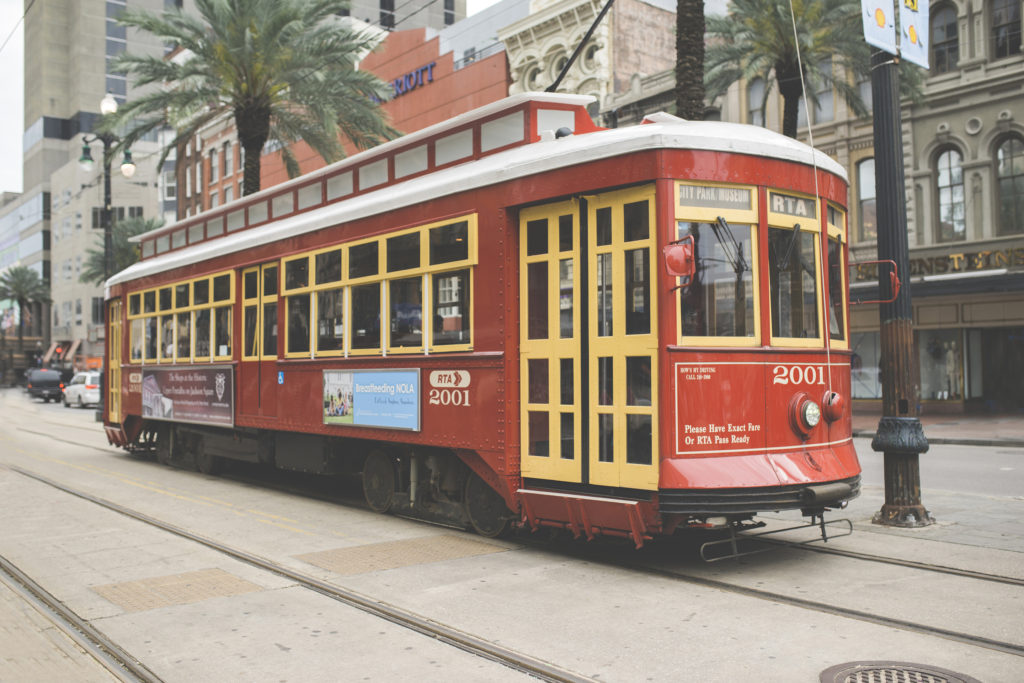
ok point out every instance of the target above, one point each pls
(83, 389)
(45, 384)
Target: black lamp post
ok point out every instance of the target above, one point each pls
(108, 105)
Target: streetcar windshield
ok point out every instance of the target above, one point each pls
(720, 300)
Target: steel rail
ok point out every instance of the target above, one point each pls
(105, 651)
(428, 627)
(882, 559)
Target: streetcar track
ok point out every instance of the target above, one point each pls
(883, 559)
(644, 566)
(425, 626)
(93, 641)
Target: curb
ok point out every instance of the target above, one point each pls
(940, 440)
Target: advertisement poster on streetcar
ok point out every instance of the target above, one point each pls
(387, 399)
(202, 395)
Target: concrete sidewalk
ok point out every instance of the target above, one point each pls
(964, 430)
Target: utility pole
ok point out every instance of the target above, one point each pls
(899, 435)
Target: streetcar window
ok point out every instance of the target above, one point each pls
(270, 328)
(565, 298)
(537, 374)
(449, 243)
(604, 226)
(328, 267)
(636, 221)
(406, 300)
(537, 300)
(537, 237)
(136, 341)
(202, 333)
(167, 338)
(151, 339)
(567, 384)
(222, 329)
(638, 439)
(149, 302)
(638, 291)
(250, 321)
(539, 442)
(638, 380)
(836, 326)
(269, 280)
(605, 381)
(568, 440)
(451, 308)
(181, 296)
(184, 336)
(605, 437)
(166, 302)
(296, 273)
(222, 288)
(565, 236)
(719, 302)
(330, 331)
(251, 284)
(793, 283)
(363, 260)
(366, 316)
(604, 295)
(134, 302)
(298, 323)
(404, 252)
(201, 292)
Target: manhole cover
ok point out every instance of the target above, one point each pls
(891, 672)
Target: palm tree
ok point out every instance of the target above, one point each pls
(23, 285)
(756, 40)
(284, 69)
(125, 252)
(690, 59)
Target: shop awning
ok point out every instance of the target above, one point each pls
(49, 353)
(70, 353)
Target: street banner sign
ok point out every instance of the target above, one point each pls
(879, 24)
(914, 31)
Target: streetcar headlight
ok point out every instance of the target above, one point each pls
(811, 413)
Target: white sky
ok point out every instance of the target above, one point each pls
(12, 79)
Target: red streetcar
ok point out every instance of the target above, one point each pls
(513, 316)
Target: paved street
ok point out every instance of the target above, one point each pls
(192, 614)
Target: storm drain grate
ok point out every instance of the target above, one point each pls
(362, 559)
(891, 672)
(177, 589)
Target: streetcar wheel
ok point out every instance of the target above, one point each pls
(379, 481)
(486, 510)
(205, 461)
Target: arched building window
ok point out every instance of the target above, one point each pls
(1005, 28)
(949, 188)
(755, 102)
(945, 42)
(867, 211)
(1010, 186)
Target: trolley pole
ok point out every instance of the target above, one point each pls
(899, 436)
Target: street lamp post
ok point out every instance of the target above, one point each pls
(108, 105)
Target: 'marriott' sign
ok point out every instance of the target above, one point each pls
(414, 79)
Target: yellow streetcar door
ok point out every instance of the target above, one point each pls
(588, 340)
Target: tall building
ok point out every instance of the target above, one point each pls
(55, 221)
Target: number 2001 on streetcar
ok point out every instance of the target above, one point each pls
(513, 316)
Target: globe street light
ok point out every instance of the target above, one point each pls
(108, 105)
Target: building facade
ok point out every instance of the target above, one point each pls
(54, 222)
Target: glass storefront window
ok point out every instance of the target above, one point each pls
(864, 369)
(940, 354)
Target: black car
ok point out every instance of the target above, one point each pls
(45, 384)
